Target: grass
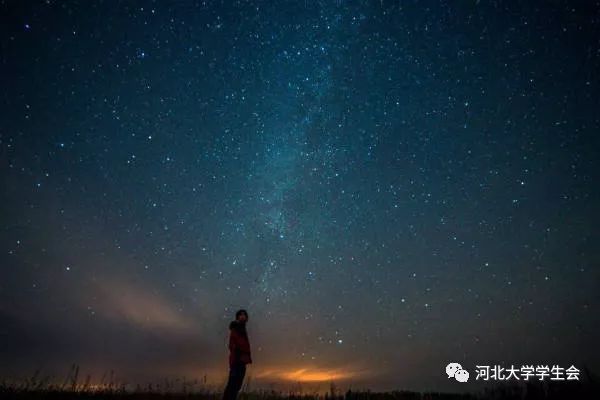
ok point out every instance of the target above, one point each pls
(38, 387)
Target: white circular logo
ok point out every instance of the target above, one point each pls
(456, 371)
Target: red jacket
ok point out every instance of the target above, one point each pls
(239, 345)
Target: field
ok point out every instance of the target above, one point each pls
(38, 387)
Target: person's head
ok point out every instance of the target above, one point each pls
(241, 315)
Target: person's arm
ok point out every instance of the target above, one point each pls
(232, 341)
(234, 346)
(243, 347)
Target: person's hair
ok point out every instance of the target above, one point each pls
(241, 311)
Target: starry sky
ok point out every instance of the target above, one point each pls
(386, 186)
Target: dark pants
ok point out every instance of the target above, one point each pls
(234, 383)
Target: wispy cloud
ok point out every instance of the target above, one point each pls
(310, 374)
(138, 305)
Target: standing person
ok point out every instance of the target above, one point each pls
(239, 354)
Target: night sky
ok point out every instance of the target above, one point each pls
(386, 187)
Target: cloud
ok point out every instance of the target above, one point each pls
(309, 373)
(143, 307)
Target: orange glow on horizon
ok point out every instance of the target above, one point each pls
(308, 374)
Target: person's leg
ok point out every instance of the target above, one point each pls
(229, 394)
(234, 383)
(240, 377)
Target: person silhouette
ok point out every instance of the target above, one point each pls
(239, 354)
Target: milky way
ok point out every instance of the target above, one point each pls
(385, 186)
